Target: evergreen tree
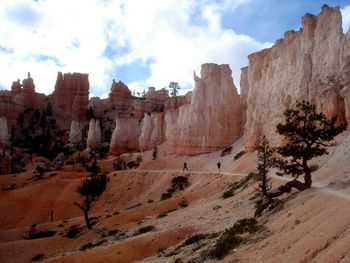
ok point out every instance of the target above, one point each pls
(307, 134)
(265, 161)
(90, 190)
(155, 153)
(174, 88)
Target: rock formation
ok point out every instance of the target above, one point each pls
(212, 119)
(75, 135)
(152, 131)
(120, 96)
(125, 137)
(304, 65)
(4, 136)
(71, 94)
(94, 134)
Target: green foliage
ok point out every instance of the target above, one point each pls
(307, 134)
(226, 151)
(237, 185)
(138, 160)
(91, 189)
(231, 239)
(239, 155)
(264, 162)
(195, 239)
(94, 168)
(174, 88)
(177, 184)
(228, 193)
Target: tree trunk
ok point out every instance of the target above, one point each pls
(307, 178)
(87, 220)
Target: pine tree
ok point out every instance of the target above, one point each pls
(264, 162)
(90, 190)
(307, 134)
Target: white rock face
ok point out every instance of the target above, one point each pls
(304, 65)
(75, 134)
(94, 134)
(4, 136)
(125, 137)
(212, 119)
(152, 131)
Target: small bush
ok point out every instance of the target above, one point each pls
(150, 201)
(239, 155)
(225, 243)
(145, 229)
(178, 260)
(165, 196)
(195, 239)
(161, 215)
(228, 193)
(73, 231)
(226, 151)
(183, 203)
(91, 245)
(37, 257)
(231, 239)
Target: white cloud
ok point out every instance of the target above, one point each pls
(346, 18)
(44, 37)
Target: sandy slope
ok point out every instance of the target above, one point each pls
(312, 226)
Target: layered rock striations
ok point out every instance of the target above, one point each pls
(152, 131)
(71, 94)
(304, 65)
(212, 119)
(125, 137)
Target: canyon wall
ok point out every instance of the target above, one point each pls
(308, 64)
(212, 119)
(94, 134)
(4, 136)
(152, 131)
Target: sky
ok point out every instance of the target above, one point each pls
(142, 43)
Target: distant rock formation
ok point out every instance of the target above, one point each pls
(94, 134)
(152, 131)
(120, 96)
(125, 137)
(212, 119)
(304, 65)
(71, 94)
(4, 136)
(75, 135)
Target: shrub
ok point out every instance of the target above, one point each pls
(73, 231)
(91, 245)
(226, 151)
(228, 193)
(183, 203)
(165, 196)
(239, 155)
(144, 229)
(231, 239)
(195, 239)
(38, 257)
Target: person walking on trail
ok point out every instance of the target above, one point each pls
(219, 166)
(185, 167)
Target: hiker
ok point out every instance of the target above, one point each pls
(219, 166)
(185, 167)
